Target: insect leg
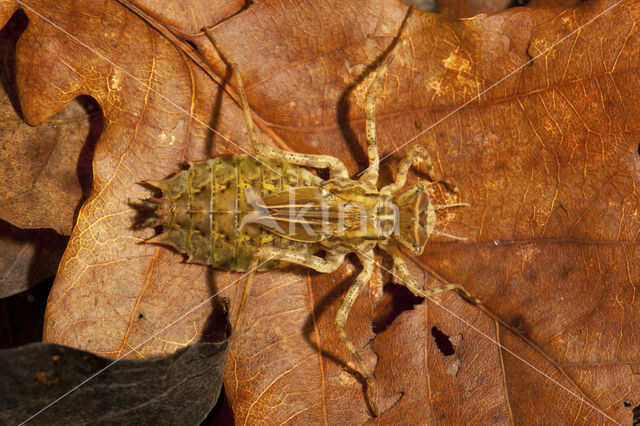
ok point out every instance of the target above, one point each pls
(255, 261)
(341, 319)
(327, 265)
(235, 70)
(371, 174)
(336, 166)
(416, 154)
(411, 284)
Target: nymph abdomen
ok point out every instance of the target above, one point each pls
(201, 209)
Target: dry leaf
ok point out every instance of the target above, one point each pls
(27, 257)
(547, 158)
(42, 179)
(469, 8)
(40, 167)
(180, 388)
(552, 3)
(36, 191)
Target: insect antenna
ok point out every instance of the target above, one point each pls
(437, 207)
(446, 206)
(444, 234)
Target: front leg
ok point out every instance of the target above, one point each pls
(410, 283)
(370, 175)
(417, 154)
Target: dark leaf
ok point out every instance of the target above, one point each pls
(27, 257)
(180, 388)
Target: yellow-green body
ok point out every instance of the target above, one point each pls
(244, 213)
(207, 202)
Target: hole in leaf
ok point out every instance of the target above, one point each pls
(442, 342)
(395, 300)
(636, 415)
(627, 403)
(518, 3)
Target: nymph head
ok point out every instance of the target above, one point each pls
(416, 218)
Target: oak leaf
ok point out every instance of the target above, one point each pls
(27, 257)
(40, 186)
(43, 168)
(530, 111)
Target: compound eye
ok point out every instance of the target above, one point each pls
(420, 239)
(422, 202)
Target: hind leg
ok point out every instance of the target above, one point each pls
(335, 166)
(266, 254)
(341, 320)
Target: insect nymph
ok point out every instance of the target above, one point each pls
(242, 212)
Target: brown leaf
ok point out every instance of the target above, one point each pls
(552, 3)
(107, 280)
(27, 257)
(157, 391)
(469, 8)
(39, 166)
(547, 158)
(188, 16)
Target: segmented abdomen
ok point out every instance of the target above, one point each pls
(209, 200)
